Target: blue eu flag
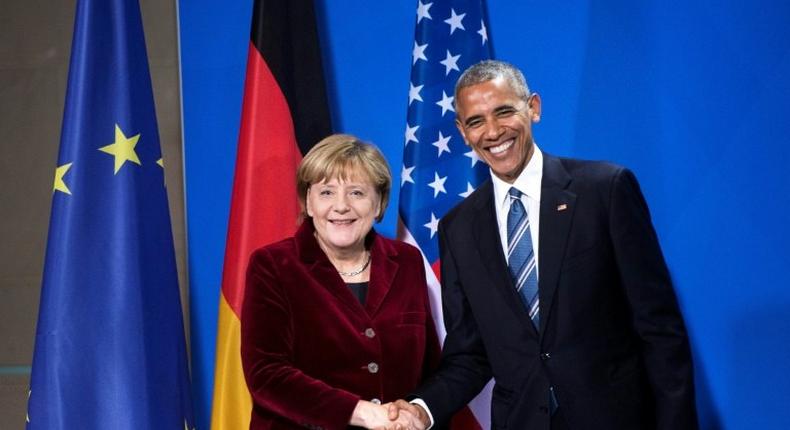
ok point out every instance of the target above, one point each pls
(109, 350)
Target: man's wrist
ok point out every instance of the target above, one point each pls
(427, 417)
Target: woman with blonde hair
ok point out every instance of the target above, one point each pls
(336, 319)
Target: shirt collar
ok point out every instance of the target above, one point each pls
(528, 182)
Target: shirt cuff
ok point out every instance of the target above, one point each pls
(421, 403)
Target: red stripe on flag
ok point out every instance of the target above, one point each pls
(267, 154)
(436, 267)
(464, 420)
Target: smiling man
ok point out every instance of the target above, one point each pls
(553, 283)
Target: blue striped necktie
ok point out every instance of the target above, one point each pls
(521, 256)
(522, 264)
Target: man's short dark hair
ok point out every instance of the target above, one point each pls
(488, 70)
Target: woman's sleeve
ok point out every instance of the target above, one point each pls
(267, 344)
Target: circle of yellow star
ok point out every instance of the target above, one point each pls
(122, 148)
(59, 185)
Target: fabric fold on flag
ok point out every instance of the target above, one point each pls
(439, 170)
(110, 350)
(284, 112)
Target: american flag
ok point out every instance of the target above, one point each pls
(439, 170)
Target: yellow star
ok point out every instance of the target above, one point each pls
(59, 185)
(122, 148)
(161, 163)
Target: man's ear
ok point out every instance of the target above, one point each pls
(533, 104)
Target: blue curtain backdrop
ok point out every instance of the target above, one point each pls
(691, 95)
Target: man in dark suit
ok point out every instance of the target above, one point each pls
(553, 283)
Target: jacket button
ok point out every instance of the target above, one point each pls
(375, 401)
(369, 332)
(373, 368)
(545, 356)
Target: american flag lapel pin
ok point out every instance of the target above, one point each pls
(562, 207)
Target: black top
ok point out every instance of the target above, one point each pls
(359, 289)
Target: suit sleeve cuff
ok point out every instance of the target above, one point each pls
(421, 403)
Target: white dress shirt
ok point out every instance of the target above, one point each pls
(528, 182)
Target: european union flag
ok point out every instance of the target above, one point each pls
(109, 350)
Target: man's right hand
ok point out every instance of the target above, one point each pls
(372, 416)
(417, 411)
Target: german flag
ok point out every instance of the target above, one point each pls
(284, 113)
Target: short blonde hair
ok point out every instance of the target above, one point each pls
(343, 156)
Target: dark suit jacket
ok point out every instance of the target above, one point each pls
(310, 350)
(611, 342)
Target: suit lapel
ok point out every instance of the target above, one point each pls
(486, 235)
(321, 268)
(383, 268)
(557, 206)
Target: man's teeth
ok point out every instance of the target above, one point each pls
(501, 148)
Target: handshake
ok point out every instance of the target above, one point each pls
(398, 415)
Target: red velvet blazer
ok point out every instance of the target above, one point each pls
(310, 350)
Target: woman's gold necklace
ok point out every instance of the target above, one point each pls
(356, 272)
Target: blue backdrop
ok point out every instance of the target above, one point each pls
(691, 95)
